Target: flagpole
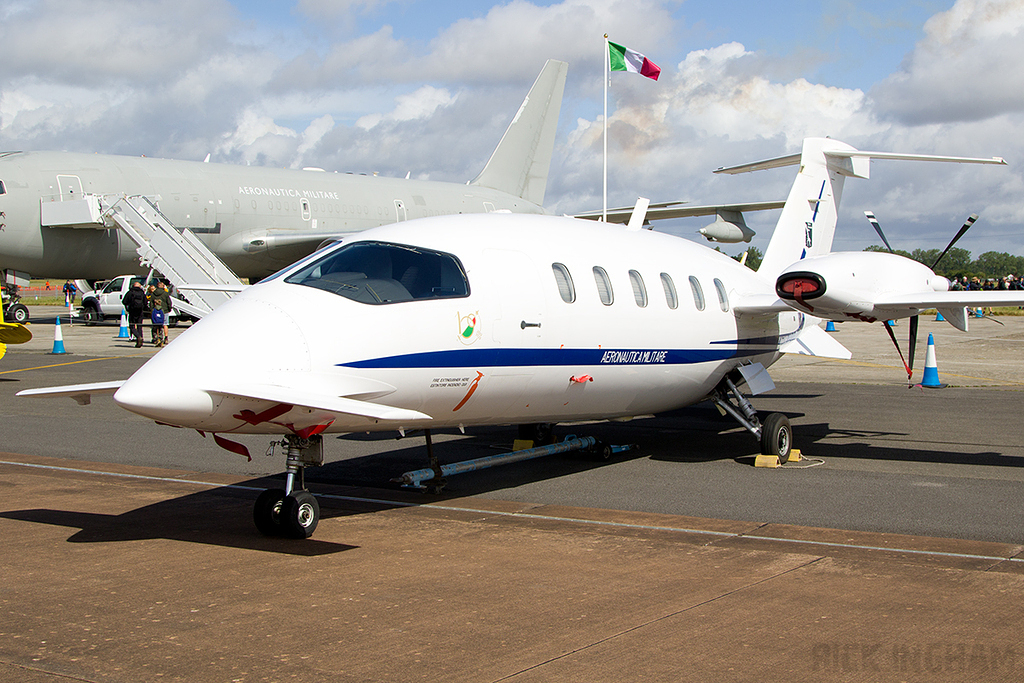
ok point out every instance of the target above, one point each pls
(604, 210)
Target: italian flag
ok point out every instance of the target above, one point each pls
(621, 58)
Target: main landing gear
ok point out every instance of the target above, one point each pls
(775, 434)
(292, 512)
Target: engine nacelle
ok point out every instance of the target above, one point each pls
(729, 227)
(850, 285)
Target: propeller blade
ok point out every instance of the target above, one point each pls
(913, 342)
(966, 226)
(892, 336)
(878, 229)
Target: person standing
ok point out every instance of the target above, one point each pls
(161, 303)
(134, 302)
(69, 293)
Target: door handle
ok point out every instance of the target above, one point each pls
(523, 325)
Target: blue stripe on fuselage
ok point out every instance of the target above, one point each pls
(478, 358)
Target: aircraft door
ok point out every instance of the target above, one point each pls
(400, 213)
(70, 187)
(518, 316)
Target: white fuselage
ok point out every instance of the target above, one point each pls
(512, 350)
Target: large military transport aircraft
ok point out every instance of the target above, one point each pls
(512, 319)
(256, 219)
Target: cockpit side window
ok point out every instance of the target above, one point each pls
(3, 190)
(383, 273)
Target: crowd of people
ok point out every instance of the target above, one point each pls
(961, 284)
(158, 299)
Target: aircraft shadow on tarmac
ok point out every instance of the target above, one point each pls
(221, 516)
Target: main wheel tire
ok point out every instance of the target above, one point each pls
(541, 433)
(601, 452)
(267, 512)
(777, 436)
(300, 514)
(18, 313)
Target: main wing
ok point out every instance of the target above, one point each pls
(952, 305)
(678, 209)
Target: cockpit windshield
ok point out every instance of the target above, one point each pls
(382, 273)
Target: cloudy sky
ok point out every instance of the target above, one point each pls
(398, 86)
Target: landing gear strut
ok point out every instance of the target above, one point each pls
(775, 435)
(292, 512)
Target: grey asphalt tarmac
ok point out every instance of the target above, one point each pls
(881, 456)
(676, 561)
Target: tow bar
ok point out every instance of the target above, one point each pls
(416, 478)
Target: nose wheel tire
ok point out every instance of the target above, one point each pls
(293, 516)
(300, 514)
(266, 513)
(777, 436)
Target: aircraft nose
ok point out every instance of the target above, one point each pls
(245, 338)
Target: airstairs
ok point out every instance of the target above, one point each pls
(177, 255)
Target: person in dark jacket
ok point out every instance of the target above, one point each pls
(161, 303)
(134, 302)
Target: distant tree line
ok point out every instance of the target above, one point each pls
(957, 263)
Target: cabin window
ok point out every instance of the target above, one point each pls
(383, 273)
(564, 280)
(723, 297)
(639, 291)
(671, 298)
(604, 286)
(698, 293)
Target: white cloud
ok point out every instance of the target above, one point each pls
(965, 68)
(87, 42)
(182, 78)
(417, 105)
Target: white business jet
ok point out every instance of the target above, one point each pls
(521, 319)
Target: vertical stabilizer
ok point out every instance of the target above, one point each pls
(520, 163)
(808, 221)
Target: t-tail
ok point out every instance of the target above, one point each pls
(521, 161)
(808, 221)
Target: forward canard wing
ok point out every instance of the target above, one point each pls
(82, 393)
(307, 399)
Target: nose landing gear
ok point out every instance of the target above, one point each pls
(292, 512)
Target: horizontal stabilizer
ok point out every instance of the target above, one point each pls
(794, 159)
(80, 392)
(814, 341)
(331, 404)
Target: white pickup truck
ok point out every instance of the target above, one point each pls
(105, 303)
